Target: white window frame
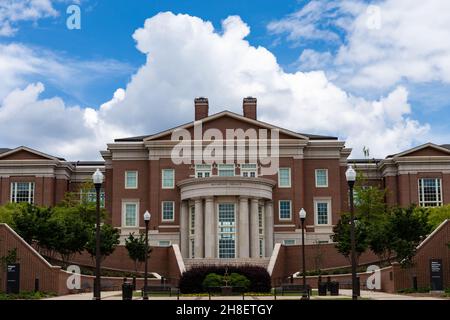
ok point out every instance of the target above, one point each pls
(234, 227)
(224, 165)
(126, 180)
(124, 211)
(279, 178)
(421, 192)
(329, 215)
(289, 244)
(326, 175)
(203, 168)
(279, 210)
(245, 167)
(31, 190)
(162, 211)
(162, 179)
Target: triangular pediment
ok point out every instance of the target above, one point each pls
(25, 153)
(425, 150)
(228, 120)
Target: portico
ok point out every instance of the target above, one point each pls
(226, 217)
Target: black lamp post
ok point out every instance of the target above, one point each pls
(147, 217)
(302, 215)
(350, 175)
(97, 178)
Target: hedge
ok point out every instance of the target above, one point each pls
(191, 281)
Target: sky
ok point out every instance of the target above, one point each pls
(374, 73)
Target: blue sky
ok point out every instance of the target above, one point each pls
(336, 65)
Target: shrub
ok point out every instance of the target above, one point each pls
(192, 280)
(212, 280)
(238, 280)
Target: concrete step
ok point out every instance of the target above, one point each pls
(261, 262)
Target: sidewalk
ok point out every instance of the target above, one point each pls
(345, 294)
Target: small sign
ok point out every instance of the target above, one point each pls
(13, 278)
(436, 274)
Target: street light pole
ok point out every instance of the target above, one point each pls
(350, 175)
(302, 215)
(147, 217)
(97, 178)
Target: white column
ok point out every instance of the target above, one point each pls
(184, 229)
(199, 243)
(254, 228)
(268, 232)
(210, 234)
(243, 229)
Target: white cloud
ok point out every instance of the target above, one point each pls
(14, 11)
(186, 58)
(379, 46)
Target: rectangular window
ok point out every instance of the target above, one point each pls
(322, 210)
(285, 211)
(22, 192)
(192, 232)
(168, 178)
(168, 210)
(321, 178)
(192, 243)
(430, 192)
(202, 170)
(289, 242)
(164, 243)
(226, 170)
(227, 230)
(261, 231)
(284, 177)
(130, 214)
(249, 170)
(90, 196)
(131, 179)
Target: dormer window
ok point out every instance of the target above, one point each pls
(202, 170)
(249, 170)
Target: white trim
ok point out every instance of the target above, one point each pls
(179, 258)
(22, 148)
(123, 220)
(273, 258)
(326, 175)
(162, 179)
(126, 180)
(279, 177)
(423, 146)
(255, 170)
(203, 170)
(162, 211)
(279, 210)
(232, 115)
(328, 202)
(31, 191)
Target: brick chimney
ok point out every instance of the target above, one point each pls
(201, 108)
(249, 107)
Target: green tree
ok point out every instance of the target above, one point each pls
(137, 249)
(212, 280)
(70, 234)
(407, 228)
(109, 239)
(438, 215)
(342, 237)
(239, 280)
(9, 258)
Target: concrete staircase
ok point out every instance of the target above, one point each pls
(261, 262)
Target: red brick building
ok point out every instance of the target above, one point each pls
(237, 207)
